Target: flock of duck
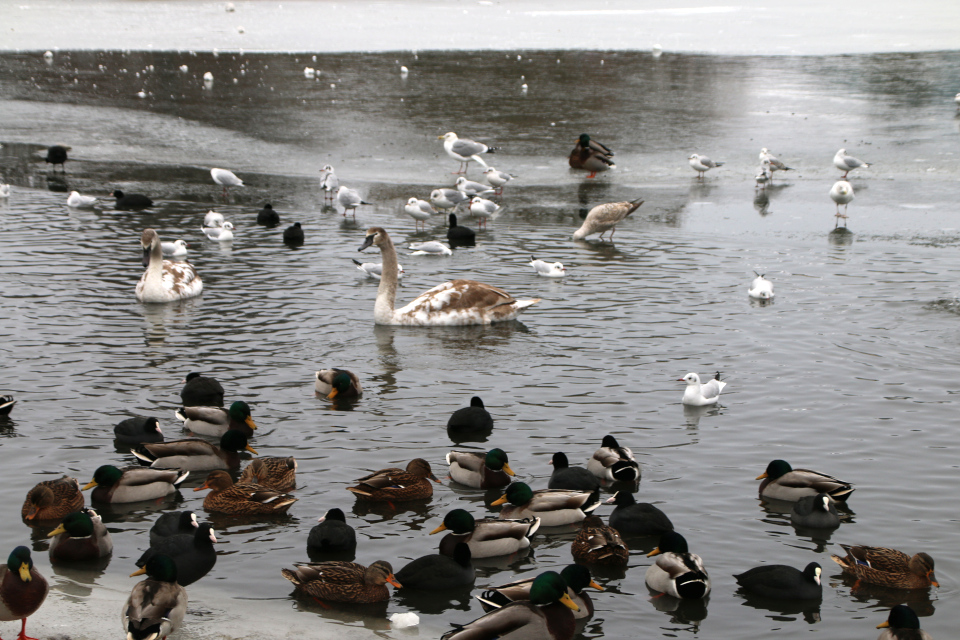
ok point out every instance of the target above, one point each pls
(546, 606)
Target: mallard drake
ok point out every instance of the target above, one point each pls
(554, 507)
(81, 536)
(242, 499)
(22, 589)
(472, 419)
(201, 391)
(612, 462)
(194, 454)
(458, 302)
(783, 482)
(332, 534)
(782, 582)
(193, 554)
(52, 499)
(173, 524)
(596, 543)
(487, 537)
(566, 477)
(397, 485)
(133, 484)
(887, 567)
(164, 280)
(157, 605)
(548, 615)
(337, 382)
(815, 512)
(576, 576)
(138, 430)
(6, 404)
(677, 572)
(637, 518)
(437, 572)
(339, 581)
(590, 155)
(902, 624)
(216, 421)
(275, 473)
(605, 217)
(480, 470)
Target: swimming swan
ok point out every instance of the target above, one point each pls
(164, 281)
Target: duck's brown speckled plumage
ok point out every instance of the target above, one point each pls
(397, 485)
(52, 500)
(596, 543)
(243, 498)
(887, 567)
(279, 474)
(340, 581)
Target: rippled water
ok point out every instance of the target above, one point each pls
(852, 370)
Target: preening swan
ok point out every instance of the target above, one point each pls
(458, 302)
(164, 281)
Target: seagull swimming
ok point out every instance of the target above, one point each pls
(225, 179)
(213, 219)
(349, 199)
(483, 209)
(374, 269)
(702, 164)
(78, 201)
(701, 395)
(464, 150)
(842, 193)
(761, 288)
(547, 269)
(220, 234)
(847, 163)
(177, 248)
(419, 210)
(431, 247)
(329, 182)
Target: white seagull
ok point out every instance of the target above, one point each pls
(701, 395)
(775, 164)
(702, 164)
(464, 150)
(842, 193)
(177, 248)
(374, 269)
(547, 269)
(212, 219)
(419, 210)
(349, 199)
(470, 188)
(329, 182)
(220, 234)
(483, 209)
(431, 247)
(447, 198)
(5, 190)
(497, 179)
(761, 288)
(765, 175)
(225, 179)
(78, 201)
(847, 163)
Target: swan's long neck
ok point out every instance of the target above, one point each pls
(155, 268)
(387, 291)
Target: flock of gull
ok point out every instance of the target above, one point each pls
(547, 606)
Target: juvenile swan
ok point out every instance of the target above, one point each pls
(164, 281)
(458, 302)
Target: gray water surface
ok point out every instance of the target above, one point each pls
(851, 371)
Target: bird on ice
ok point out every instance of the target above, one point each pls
(349, 199)
(225, 179)
(470, 188)
(701, 395)
(847, 163)
(464, 150)
(760, 288)
(420, 211)
(765, 175)
(483, 209)
(447, 198)
(773, 161)
(604, 217)
(497, 179)
(329, 183)
(701, 164)
(842, 194)
(547, 269)
(590, 155)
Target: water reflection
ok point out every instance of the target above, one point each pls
(784, 610)
(689, 613)
(919, 600)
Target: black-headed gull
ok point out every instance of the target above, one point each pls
(847, 163)
(701, 164)
(701, 395)
(447, 198)
(222, 233)
(225, 179)
(483, 209)
(432, 248)
(329, 182)
(471, 188)
(177, 248)
(78, 201)
(349, 199)
(419, 210)
(775, 164)
(464, 150)
(497, 178)
(604, 217)
(760, 288)
(547, 269)
(842, 193)
(213, 219)
(374, 269)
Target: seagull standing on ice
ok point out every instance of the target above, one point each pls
(775, 164)
(765, 175)
(761, 288)
(497, 179)
(470, 188)
(842, 194)
(701, 395)
(702, 164)
(464, 150)
(420, 211)
(483, 209)
(547, 269)
(349, 199)
(847, 163)
(329, 182)
(225, 179)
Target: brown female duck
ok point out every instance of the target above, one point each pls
(340, 581)
(397, 485)
(279, 474)
(596, 543)
(887, 567)
(52, 499)
(242, 499)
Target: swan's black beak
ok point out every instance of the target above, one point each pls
(367, 242)
(146, 256)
